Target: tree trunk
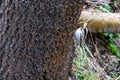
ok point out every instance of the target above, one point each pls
(35, 38)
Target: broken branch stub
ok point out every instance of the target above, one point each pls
(100, 22)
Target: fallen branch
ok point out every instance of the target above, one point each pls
(101, 22)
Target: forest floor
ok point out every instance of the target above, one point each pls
(96, 59)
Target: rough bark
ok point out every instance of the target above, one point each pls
(35, 38)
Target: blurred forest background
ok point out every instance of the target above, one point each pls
(98, 56)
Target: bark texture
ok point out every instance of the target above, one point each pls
(35, 38)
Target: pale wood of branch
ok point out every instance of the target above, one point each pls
(101, 22)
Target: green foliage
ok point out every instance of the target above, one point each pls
(109, 36)
(114, 49)
(80, 64)
(112, 46)
(118, 78)
(114, 74)
(86, 75)
(115, 0)
(104, 7)
(118, 34)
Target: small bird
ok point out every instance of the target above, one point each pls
(79, 36)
